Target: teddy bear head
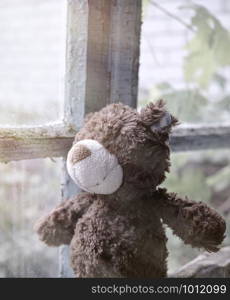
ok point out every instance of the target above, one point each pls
(119, 147)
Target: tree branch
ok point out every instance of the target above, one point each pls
(169, 14)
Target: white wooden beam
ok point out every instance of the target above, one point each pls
(200, 137)
(51, 130)
(52, 141)
(18, 143)
(13, 149)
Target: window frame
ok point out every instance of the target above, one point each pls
(117, 25)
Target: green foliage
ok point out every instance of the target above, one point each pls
(209, 48)
(225, 103)
(145, 4)
(220, 180)
(186, 104)
(207, 54)
(188, 181)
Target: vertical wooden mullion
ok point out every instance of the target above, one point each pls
(102, 62)
(124, 50)
(74, 107)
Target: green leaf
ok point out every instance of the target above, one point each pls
(208, 49)
(220, 180)
(190, 182)
(185, 104)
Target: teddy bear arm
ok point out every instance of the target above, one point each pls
(58, 226)
(194, 222)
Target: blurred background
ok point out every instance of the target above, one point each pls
(184, 59)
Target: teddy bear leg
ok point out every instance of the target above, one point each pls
(57, 228)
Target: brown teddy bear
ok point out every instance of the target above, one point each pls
(115, 228)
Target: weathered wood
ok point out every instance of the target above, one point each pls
(102, 55)
(206, 265)
(76, 55)
(200, 138)
(75, 90)
(97, 72)
(125, 27)
(112, 52)
(19, 143)
(19, 149)
(52, 130)
(41, 142)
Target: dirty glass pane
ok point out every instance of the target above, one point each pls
(185, 59)
(28, 189)
(32, 60)
(202, 176)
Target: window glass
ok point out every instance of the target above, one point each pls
(202, 176)
(185, 60)
(28, 190)
(32, 61)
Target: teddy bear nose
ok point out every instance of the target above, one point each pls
(79, 153)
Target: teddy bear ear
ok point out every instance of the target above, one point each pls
(155, 116)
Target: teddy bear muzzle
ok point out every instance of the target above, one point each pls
(93, 168)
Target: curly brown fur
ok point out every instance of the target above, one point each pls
(108, 242)
(153, 112)
(194, 222)
(58, 227)
(121, 234)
